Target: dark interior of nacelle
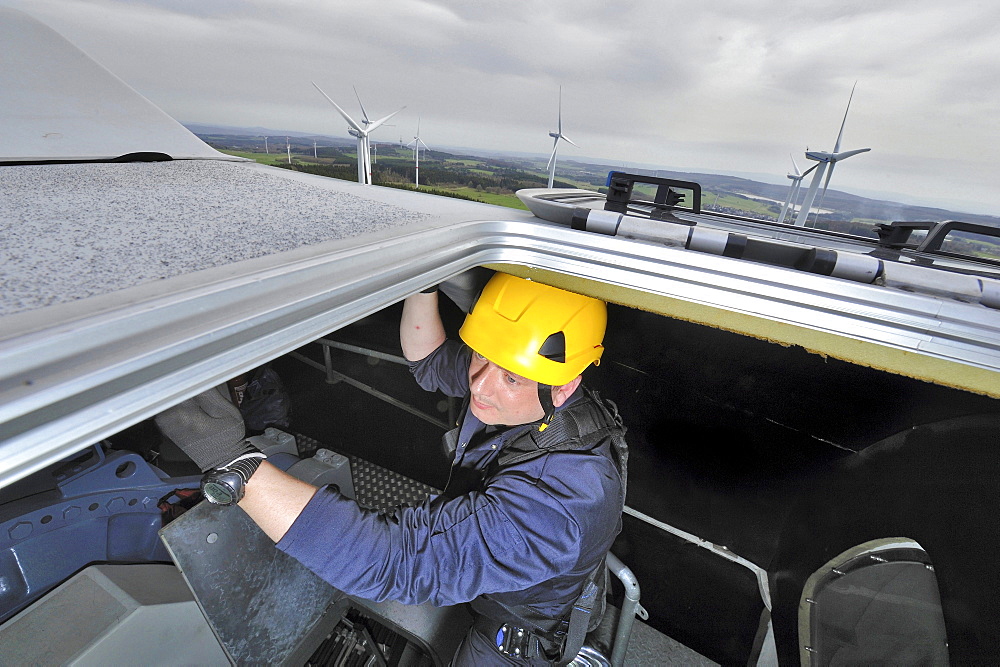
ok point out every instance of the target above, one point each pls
(746, 444)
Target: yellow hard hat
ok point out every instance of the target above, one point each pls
(543, 333)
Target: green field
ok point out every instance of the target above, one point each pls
(510, 201)
(465, 192)
(263, 158)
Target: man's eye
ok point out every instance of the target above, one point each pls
(480, 357)
(511, 379)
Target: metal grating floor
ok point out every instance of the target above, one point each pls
(375, 487)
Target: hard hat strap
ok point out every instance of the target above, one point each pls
(545, 398)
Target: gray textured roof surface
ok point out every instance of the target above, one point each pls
(72, 231)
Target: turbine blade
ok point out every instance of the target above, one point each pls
(363, 112)
(565, 138)
(795, 166)
(847, 154)
(559, 131)
(426, 147)
(372, 126)
(350, 121)
(555, 146)
(826, 181)
(822, 195)
(840, 136)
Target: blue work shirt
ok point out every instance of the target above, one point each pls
(526, 534)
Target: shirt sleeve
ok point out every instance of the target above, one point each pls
(446, 369)
(508, 537)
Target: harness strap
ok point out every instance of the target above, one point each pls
(579, 618)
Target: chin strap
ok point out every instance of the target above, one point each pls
(545, 398)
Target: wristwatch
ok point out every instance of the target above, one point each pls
(226, 485)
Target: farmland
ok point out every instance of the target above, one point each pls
(495, 179)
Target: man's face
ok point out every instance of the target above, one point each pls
(501, 397)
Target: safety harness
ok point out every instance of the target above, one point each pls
(580, 426)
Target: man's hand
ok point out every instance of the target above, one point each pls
(464, 288)
(208, 428)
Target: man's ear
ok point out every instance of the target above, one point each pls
(563, 392)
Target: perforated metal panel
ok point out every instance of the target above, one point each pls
(375, 487)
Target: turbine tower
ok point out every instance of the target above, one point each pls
(360, 131)
(557, 135)
(825, 159)
(416, 144)
(793, 190)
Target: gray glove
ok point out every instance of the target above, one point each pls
(208, 428)
(464, 288)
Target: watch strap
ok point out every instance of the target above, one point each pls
(245, 465)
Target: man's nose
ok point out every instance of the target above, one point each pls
(482, 379)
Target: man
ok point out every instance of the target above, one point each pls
(536, 490)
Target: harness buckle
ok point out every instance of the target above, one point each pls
(514, 641)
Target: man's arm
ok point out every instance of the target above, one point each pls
(274, 499)
(420, 328)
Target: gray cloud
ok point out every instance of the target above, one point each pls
(723, 86)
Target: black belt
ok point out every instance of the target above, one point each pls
(514, 641)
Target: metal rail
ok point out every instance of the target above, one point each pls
(768, 649)
(375, 354)
(72, 375)
(332, 374)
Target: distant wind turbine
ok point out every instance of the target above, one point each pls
(366, 122)
(265, 146)
(793, 190)
(825, 159)
(288, 149)
(360, 131)
(557, 135)
(416, 144)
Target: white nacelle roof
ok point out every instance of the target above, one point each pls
(56, 103)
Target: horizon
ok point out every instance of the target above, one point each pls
(730, 89)
(887, 197)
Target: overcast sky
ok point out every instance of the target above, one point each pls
(729, 86)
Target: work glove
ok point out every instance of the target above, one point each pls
(208, 428)
(464, 288)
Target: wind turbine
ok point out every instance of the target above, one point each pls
(793, 190)
(825, 159)
(366, 123)
(288, 149)
(360, 132)
(557, 135)
(417, 143)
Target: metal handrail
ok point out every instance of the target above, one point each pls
(630, 608)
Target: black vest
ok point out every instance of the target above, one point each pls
(581, 426)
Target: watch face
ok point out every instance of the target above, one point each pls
(217, 491)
